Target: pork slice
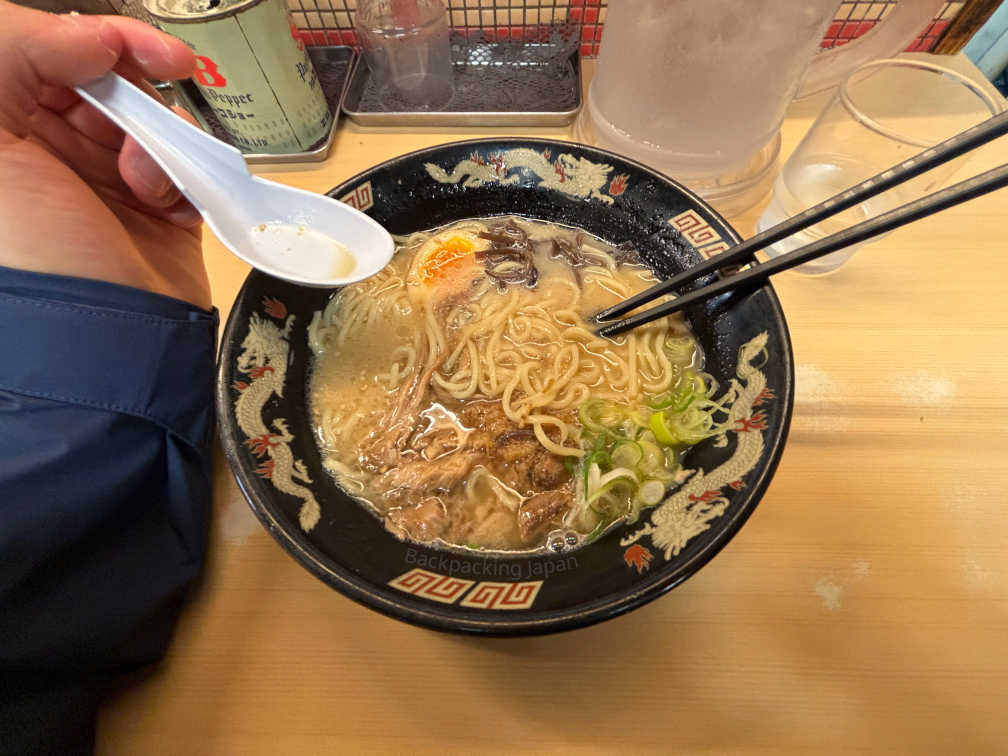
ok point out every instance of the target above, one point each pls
(486, 416)
(422, 522)
(536, 470)
(516, 435)
(427, 476)
(481, 441)
(517, 451)
(549, 471)
(436, 444)
(382, 452)
(384, 449)
(541, 509)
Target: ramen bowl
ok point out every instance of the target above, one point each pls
(270, 443)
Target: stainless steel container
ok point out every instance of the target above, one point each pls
(253, 71)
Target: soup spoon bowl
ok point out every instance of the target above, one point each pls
(289, 233)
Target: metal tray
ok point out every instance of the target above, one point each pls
(495, 85)
(333, 64)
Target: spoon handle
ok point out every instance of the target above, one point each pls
(195, 161)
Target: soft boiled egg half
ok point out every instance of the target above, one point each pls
(445, 267)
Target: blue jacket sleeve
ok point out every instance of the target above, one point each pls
(106, 421)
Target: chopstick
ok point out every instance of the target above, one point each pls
(924, 161)
(956, 194)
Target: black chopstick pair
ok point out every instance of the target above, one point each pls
(956, 194)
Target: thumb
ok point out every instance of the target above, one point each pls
(41, 50)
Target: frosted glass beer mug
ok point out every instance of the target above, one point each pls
(698, 90)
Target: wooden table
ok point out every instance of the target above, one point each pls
(863, 606)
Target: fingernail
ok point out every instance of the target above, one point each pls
(147, 57)
(109, 38)
(165, 41)
(151, 176)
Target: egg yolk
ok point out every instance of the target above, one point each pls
(447, 255)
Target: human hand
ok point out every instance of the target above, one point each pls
(78, 197)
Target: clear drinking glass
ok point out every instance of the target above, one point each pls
(406, 45)
(698, 89)
(884, 112)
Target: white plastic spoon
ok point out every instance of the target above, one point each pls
(289, 233)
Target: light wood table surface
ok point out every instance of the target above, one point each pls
(864, 606)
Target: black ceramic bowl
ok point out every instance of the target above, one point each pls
(267, 435)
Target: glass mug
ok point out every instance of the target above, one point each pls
(885, 112)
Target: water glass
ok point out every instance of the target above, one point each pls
(406, 46)
(883, 113)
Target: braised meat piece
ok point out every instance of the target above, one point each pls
(481, 441)
(518, 473)
(518, 458)
(381, 454)
(512, 453)
(420, 476)
(422, 522)
(527, 465)
(516, 435)
(515, 449)
(486, 416)
(541, 509)
(384, 450)
(437, 444)
(549, 471)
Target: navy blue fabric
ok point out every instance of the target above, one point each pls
(106, 422)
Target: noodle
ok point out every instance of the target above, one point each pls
(529, 350)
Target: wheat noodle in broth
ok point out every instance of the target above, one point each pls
(448, 392)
